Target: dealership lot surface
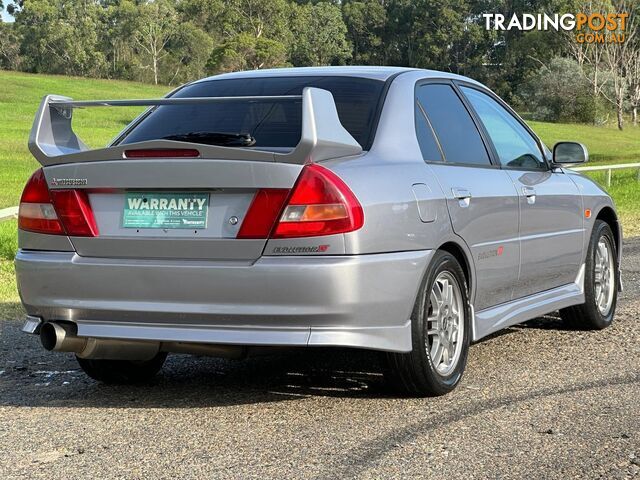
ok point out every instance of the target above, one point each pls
(537, 400)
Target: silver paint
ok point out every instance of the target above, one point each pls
(523, 235)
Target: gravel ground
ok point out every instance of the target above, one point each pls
(537, 400)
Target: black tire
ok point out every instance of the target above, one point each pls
(414, 373)
(122, 371)
(588, 316)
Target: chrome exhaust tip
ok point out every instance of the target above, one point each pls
(59, 337)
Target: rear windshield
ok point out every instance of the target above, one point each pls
(273, 123)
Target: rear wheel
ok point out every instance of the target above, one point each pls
(600, 282)
(440, 325)
(122, 371)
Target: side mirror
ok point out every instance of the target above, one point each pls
(569, 152)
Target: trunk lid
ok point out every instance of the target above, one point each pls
(116, 188)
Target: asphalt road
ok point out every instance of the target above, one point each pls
(537, 401)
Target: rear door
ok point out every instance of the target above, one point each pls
(551, 221)
(482, 200)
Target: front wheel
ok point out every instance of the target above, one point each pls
(600, 282)
(440, 325)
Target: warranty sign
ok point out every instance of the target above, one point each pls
(165, 210)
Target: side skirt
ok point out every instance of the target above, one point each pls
(490, 320)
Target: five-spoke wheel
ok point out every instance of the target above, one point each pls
(600, 282)
(445, 323)
(440, 325)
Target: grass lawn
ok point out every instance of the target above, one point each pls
(9, 300)
(606, 144)
(20, 95)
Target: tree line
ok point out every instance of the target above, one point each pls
(546, 74)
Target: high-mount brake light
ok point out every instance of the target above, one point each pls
(319, 204)
(162, 153)
(57, 212)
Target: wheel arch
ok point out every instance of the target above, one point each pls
(462, 256)
(608, 215)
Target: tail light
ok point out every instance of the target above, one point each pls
(57, 212)
(319, 204)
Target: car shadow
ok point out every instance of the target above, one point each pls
(190, 382)
(32, 377)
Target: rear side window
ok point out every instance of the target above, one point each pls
(426, 140)
(273, 123)
(456, 132)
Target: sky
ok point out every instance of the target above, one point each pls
(6, 17)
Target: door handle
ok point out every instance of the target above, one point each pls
(530, 193)
(462, 195)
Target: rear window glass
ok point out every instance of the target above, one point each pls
(273, 123)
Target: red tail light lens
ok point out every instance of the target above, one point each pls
(75, 212)
(263, 213)
(58, 212)
(36, 212)
(320, 204)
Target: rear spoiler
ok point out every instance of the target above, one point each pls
(52, 140)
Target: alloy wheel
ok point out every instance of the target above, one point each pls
(445, 323)
(604, 277)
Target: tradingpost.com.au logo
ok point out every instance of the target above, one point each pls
(588, 27)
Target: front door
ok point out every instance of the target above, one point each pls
(551, 230)
(481, 198)
(551, 222)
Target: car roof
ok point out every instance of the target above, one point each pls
(371, 72)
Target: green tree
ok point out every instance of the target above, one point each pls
(320, 35)
(61, 36)
(555, 93)
(516, 54)
(439, 35)
(207, 15)
(258, 18)
(246, 52)
(155, 27)
(10, 57)
(365, 21)
(189, 53)
(118, 28)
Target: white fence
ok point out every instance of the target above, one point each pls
(609, 169)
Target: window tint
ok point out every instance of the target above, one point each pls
(274, 123)
(514, 144)
(428, 145)
(458, 135)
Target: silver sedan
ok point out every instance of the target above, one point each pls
(401, 210)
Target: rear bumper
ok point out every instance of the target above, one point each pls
(356, 301)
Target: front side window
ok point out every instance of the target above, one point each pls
(515, 146)
(458, 136)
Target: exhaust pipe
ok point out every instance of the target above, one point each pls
(62, 337)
